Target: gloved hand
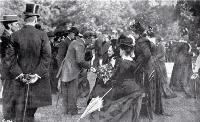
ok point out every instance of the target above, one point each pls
(34, 78)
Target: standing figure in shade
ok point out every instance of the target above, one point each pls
(72, 66)
(64, 44)
(33, 56)
(182, 69)
(10, 23)
(146, 72)
(160, 56)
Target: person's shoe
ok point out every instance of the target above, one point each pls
(166, 114)
(73, 113)
(189, 96)
(171, 96)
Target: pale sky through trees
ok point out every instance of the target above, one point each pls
(153, 2)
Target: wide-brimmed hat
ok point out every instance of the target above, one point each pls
(32, 10)
(9, 18)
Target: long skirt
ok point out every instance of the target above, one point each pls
(180, 77)
(151, 83)
(125, 109)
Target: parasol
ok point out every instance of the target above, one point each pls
(95, 104)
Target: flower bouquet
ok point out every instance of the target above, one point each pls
(105, 72)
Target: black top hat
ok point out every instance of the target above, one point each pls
(9, 18)
(31, 10)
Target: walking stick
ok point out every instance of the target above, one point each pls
(26, 102)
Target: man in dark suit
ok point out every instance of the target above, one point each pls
(70, 70)
(33, 56)
(64, 44)
(10, 23)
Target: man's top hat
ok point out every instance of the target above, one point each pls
(9, 18)
(31, 10)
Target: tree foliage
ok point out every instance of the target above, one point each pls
(187, 13)
(103, 16)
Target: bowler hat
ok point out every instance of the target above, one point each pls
(126, 41)
(31, 10)
(137, 28)
(74, 30)
(9, 18)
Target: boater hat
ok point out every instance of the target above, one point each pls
(9, 18)
(32, 10)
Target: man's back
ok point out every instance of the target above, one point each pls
(31, 44)
(74, 61)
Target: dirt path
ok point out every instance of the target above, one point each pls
(183, 110)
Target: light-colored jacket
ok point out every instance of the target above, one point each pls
(73, 62)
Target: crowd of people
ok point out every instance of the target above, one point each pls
(36, 64)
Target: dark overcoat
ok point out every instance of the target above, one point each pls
(74, 62)
(7, 50)
(146, 75)
(33, 55)
(7, 55)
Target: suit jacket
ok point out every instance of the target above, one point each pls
(62, 50)
(33, 55)
(74, 61)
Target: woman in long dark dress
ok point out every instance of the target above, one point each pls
(147, 73)
(182, 69)
(124, 101)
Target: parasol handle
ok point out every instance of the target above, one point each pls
(106, 93)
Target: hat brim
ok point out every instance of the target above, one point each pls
(9, 20)
(31, 14)
(126, 44)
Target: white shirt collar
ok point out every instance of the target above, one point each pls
(9, 31)
(127, 58)
(31, 24)
(69, 38)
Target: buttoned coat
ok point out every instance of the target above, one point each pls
(33, 56)
(74, 61)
